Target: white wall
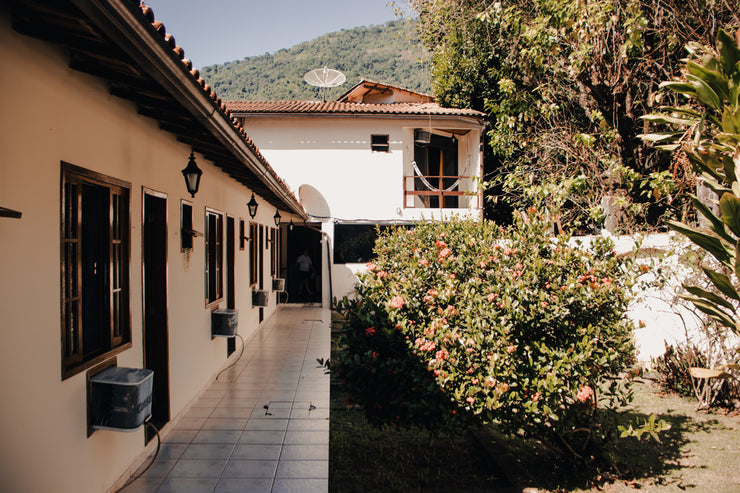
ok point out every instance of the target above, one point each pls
(327, 161)
(51, 114)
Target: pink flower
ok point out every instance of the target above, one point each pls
(536, 396)
(510, 348)
(444, 253)
(474, 381)
(423, 262)
(371, 266)
(440, 244)
(382, 274)
(397, 302)
(584, 394)
(370, 331)
(442, 354)
(470, 399)
(491, 296)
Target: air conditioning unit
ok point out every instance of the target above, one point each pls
(260, 298)
(120, 398)
(224, 322)
(278, 284)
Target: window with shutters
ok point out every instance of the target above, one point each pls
(95, 252)
(214, 256)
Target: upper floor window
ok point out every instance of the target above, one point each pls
(214, 256)
(379, 143)
(95, 250)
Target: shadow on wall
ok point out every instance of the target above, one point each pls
(344, 279)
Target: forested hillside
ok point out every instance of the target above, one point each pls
(389, 53)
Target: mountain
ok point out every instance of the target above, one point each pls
(389, 53)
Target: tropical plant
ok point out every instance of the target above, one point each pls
(461, 322)
(707, 130)
(564, 84)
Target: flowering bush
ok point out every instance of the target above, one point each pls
(471, 322)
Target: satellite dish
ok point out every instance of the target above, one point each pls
(323, 78)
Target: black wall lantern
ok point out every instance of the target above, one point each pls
(290, 226)
(276, 217)
(252, 205)
(192, 175)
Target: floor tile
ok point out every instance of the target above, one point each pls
(208, 451)
(187, 485)
(226, 412)
(250, 469)
(180, 436)
(198, 468)
(216, 436)
(262, 437)
(306, 437)
(308, 424)
(234, 485)
(224, 424)
(247, 451)
(267, 424)
(300, 486)
(305, 452)
(303, 469)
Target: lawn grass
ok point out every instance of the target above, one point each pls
(700, 453)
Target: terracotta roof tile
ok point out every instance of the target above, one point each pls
(219, 105)
(369, 83)
(337, 107)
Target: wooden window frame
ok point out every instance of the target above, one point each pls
(253, 253)
(214, 247)
(116, 313)
(380, 143)
(274, 250)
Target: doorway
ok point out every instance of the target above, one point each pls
(230, 276)
(156, 337)
(304, 239)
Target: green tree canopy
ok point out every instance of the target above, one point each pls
(564, 83)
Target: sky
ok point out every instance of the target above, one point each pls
(218, 31)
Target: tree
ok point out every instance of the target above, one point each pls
(564, 84)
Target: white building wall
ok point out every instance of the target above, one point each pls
(328, 163)
(51, 113)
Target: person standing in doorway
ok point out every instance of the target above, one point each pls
(305, 272)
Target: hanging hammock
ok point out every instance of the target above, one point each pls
(429, 185)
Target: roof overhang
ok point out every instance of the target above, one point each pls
(119, 41)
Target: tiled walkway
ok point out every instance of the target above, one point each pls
(264, 425)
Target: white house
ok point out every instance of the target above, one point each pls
(378, 155)
(105, 258)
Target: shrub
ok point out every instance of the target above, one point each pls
(461, 322)
(673, 368)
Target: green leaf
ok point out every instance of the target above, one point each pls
(711, 244)
(711, 309)
(680, 87)
(717, 225)
(729, 205)
(709, 296)
(722, 282)
(730, 121)
(705, 93)
(729, 54)
(660, 136)
(669, 119)
(713, 79)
